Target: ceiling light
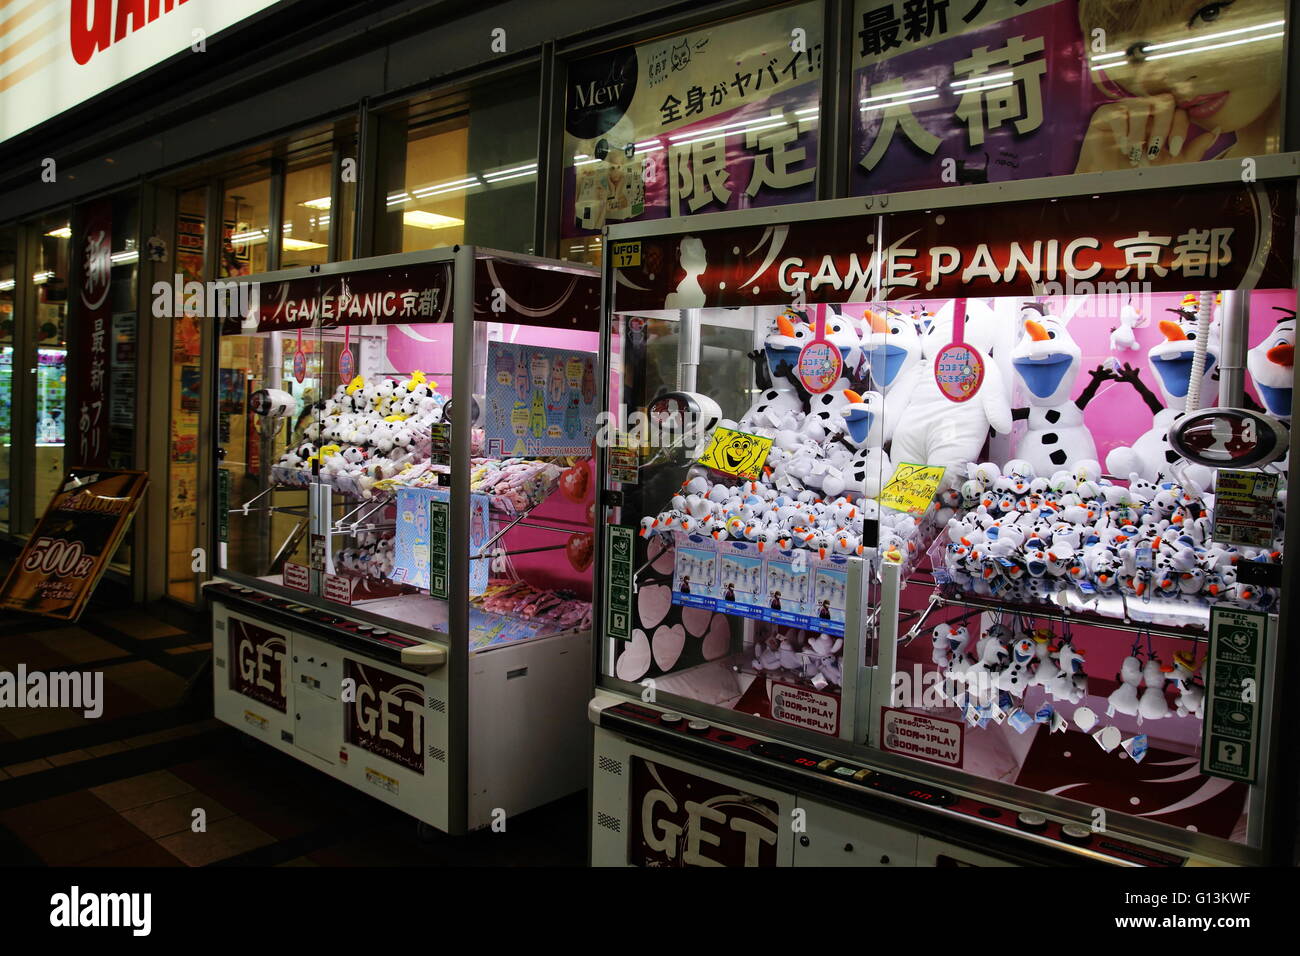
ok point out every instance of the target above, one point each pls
(301, 245)
(63, 232)
(430, 220)
(322, 203)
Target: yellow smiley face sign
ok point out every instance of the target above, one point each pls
(736, 453)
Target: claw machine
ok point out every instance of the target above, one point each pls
(405, 501)
(948, 529)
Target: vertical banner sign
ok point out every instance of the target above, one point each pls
(1234, 684)
(89, 378)
(618, 583)
(956, 92)
(73, 542)
(439, 535)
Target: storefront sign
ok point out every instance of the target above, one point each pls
(1245, 508)
(418, 293)
(912, 487)
(979, 91)
(260, 668)
(723, 117)
(1234, 685)
(618, 583)
(679, 819)
(90, 372)
(736, 453)
(386, 717)
(74, 51)
(1210, 237)
(922, 737)
(805, 708)
(72, 544)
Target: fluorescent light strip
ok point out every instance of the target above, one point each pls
(706, 133)
(983, 79)
(1199, 40)
(1216, 46)
(985, 89)
(890, 96)
(754, 129)
(501, 179)
(530, 168)
(1216, 36)
(879, 106)
(6, 284)
(122, 258)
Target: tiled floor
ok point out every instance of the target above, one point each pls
(155, 781)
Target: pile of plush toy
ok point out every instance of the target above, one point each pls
(366, 431)
(563, 609)
(1029, 537)
(514, 484)
(760, 512)
(370, 556)
(802, 655)
(1004, 664)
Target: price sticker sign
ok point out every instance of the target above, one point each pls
(912, 487)
(736, 453)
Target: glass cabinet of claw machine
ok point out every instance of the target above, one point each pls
(407, 498)
(338, 451)
(983, 511)
(745, 447)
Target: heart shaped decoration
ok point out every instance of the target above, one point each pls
(633, 663)
(653, 603)
(667, 644)
(578, 549)
(575, 482)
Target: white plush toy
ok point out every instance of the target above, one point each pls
(1191, 695)
(892, 347)
(1047, 360)
(1151, 456)
(1152, 705)
(933, 430)
(1270, 364)
(1124, 698)
(1122, 337)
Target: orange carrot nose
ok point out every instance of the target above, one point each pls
(1214, 590)
(785, 326)
(1172, 331)
(877, 324)
(1282, 355)
(852, 396)
(1036, 331)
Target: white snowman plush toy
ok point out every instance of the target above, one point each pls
(1151, 456)
(1270, 364)
(933, 430)
(892, 347)
(1047, 361)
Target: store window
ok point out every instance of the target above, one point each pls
(1007, 91)
(307, 213)
(246, 224)
(461, 167)
(187, 357)
(8, 288)
(50, 282)
(722, 117)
